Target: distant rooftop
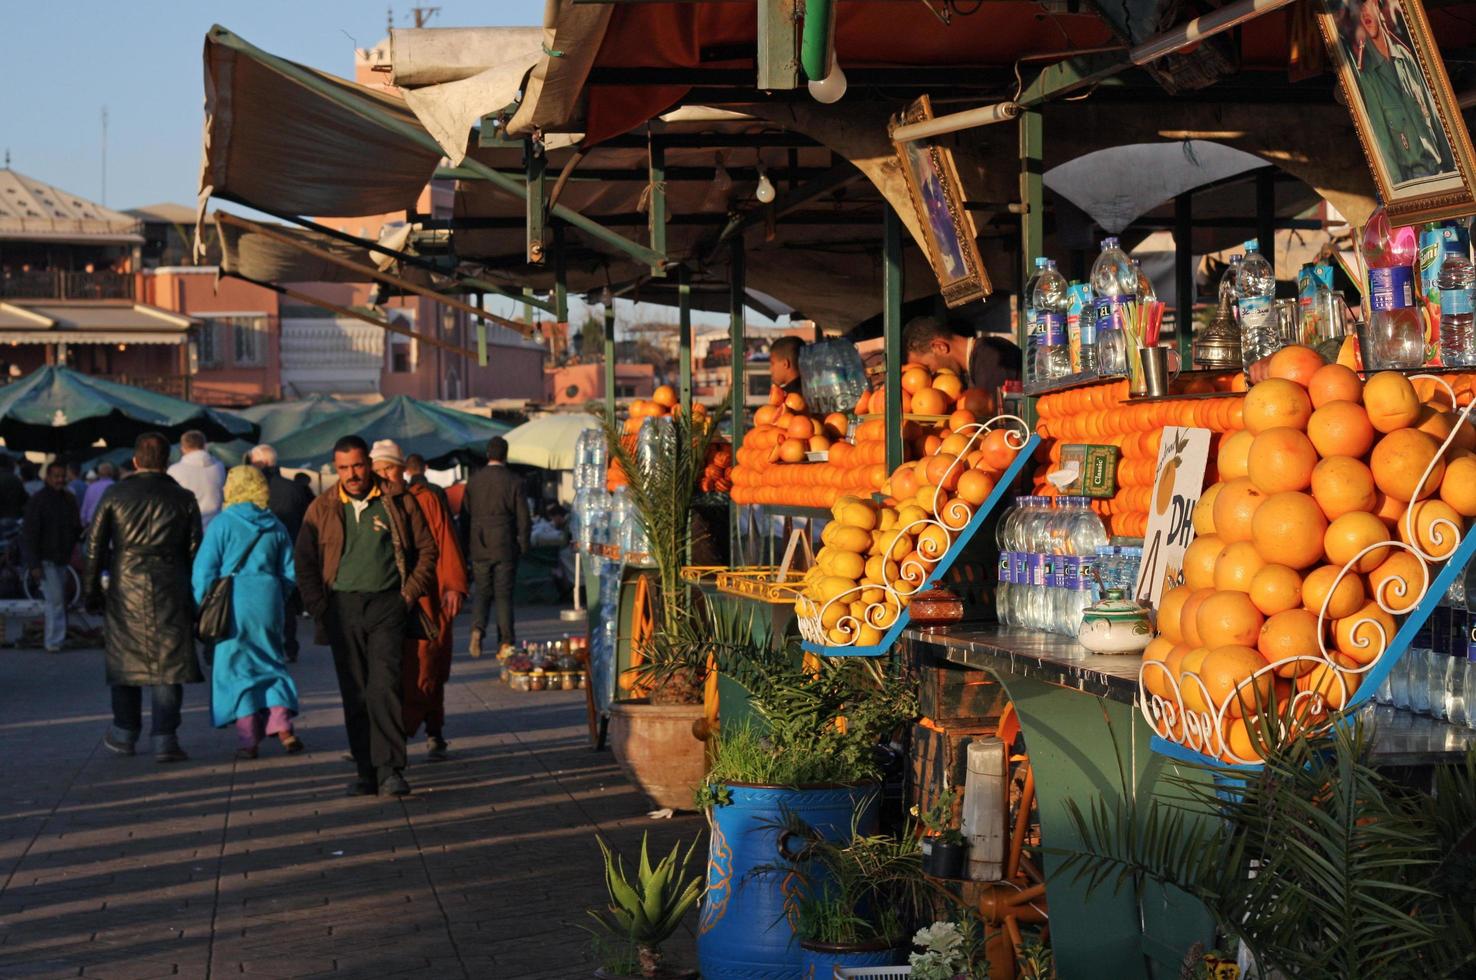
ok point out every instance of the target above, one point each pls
(33, 211)
(166, 213)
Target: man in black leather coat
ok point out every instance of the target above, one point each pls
(144, 535)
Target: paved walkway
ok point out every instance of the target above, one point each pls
(122, 868)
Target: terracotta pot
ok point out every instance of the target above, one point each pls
(655, 747)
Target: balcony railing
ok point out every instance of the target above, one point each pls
(61, 284)
(165, 384)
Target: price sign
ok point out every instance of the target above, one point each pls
(1179, 480)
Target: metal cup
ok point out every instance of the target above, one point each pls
(1158, 373)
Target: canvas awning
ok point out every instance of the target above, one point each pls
(257, 257)
(285, 144)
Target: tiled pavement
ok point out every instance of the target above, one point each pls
(122, 868)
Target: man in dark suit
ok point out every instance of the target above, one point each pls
(495, 516)
(289, 501)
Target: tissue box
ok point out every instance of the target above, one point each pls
(1097, 468)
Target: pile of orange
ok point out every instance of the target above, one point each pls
(772, 467)
(663, 403)
(1101, 414)
(717, 468)
(1328, 468)
(875, 556)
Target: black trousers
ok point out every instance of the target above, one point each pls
(291, 612)
(494, 580)
(367, 632)
(128, 708)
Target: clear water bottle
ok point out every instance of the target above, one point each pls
(1255, 300)
(1032, 321)
(1039, 548)
(1399, 682)
(1418, 658)
(1437, 661)
(1457, 282)
(1081, 329)
(1083, 534)
(1455, 710)
(1395, 337)
(1004, 538)
(1227, 284)
(1145, 285)
(1114, 282)
(1467, 714)
(1050, 301)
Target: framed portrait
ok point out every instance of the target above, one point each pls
(947, 227)
(1399, 95)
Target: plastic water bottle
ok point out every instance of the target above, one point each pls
(1145, 285)
(1004, 537)
(1037, 598)
(1395, 337)
(1467, 712)
(1083, 534)
(1051, 300)
(1457, 282)
(1418, 657)
(1033, 334)
(1255, 296)
(1437, 670)
(1227, 285)
(1114, 282)
(1081, 329)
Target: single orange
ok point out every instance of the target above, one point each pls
(1235, 675)
(1199, 561)
(1391, 401)
(1204, 510)
(1351, 534)
(1295, 362)
(975, 401)
(1334, 383)
(836, 424)
(1287, 635)
(1399, 462)
(1277, 402)
(794, 401)
(1366, 634)
(801, 427)
(1275, 588)
(948, 383)
(1342, 485)
(1436, 525)
(1156, 678)
(1458, 485)
(1347, 596)
(930, 401)
(1233, 459)
(1189, 616)
(975, 486)
(1288, 528)
(915, 378)
(1226, 618)
(1399, 581)
(998, 453)
(1341, 428)
(1281, 459)
(1170, 609)
(1235, 507)
(792, 450)
(1237, 566)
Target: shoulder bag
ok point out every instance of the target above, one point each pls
(213, 621)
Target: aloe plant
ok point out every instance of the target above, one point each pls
(646, 912)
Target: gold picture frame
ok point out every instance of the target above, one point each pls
(937, 200)
(1397, 91)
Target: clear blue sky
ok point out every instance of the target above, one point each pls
(66, 59)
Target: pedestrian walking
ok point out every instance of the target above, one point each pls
(144, 535)
(415, 477)
(30, 475)
(364, 559)
(495, 515)
(249, 683)
(288, 500)
(200, 473)
(49, 533)
(13, 494)
(426, 664)
(75, 483)
(106, 473)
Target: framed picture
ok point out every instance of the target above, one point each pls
(1399, 95)
(932, 182)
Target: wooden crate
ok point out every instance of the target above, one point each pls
(939, 759)
(951, 694)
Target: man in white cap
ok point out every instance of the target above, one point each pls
(426, 664)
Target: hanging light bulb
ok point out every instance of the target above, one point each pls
(765, 190)
(831, 88)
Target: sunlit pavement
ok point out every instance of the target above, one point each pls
(123, 868)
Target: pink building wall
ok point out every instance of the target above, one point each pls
(578, 383)
(194, 291)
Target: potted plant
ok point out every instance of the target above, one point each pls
(814, 753)
(653, 736)
(943, 847)
(643, 913)
(948, 950)
(857, 900)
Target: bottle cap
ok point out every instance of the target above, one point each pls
(1109, 242)
(1253, 245)
(1041, 261)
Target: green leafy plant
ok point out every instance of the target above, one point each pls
(1035, 959)
(644, 913)
(817, 723)
(938, 818)
(869, 888)
(661, 492)
(949, 949)
(1318, 863)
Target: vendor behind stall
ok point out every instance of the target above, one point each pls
(988, 361)
(784, 359)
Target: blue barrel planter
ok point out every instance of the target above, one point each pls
(819, 961)
(746, 927)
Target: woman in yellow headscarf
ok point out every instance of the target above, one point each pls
(249, 681)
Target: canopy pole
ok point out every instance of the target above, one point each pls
(361, 108)
(373, 273)
(1266, 214)
(656, 204)
(1184, 272)
(1032, 229)
(892, 331)
(684, 337)
(610, 360)
(736, 388)
(560, 309)
(535, 163)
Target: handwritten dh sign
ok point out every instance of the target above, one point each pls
(1182, 456)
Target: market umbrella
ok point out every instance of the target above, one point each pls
(548, 442)
(442, 435)
(280, 419)
(56, 408)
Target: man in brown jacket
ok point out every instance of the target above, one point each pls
(364, 558)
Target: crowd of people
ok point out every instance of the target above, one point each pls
(381, 561)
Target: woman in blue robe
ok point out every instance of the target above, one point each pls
(250, 685)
